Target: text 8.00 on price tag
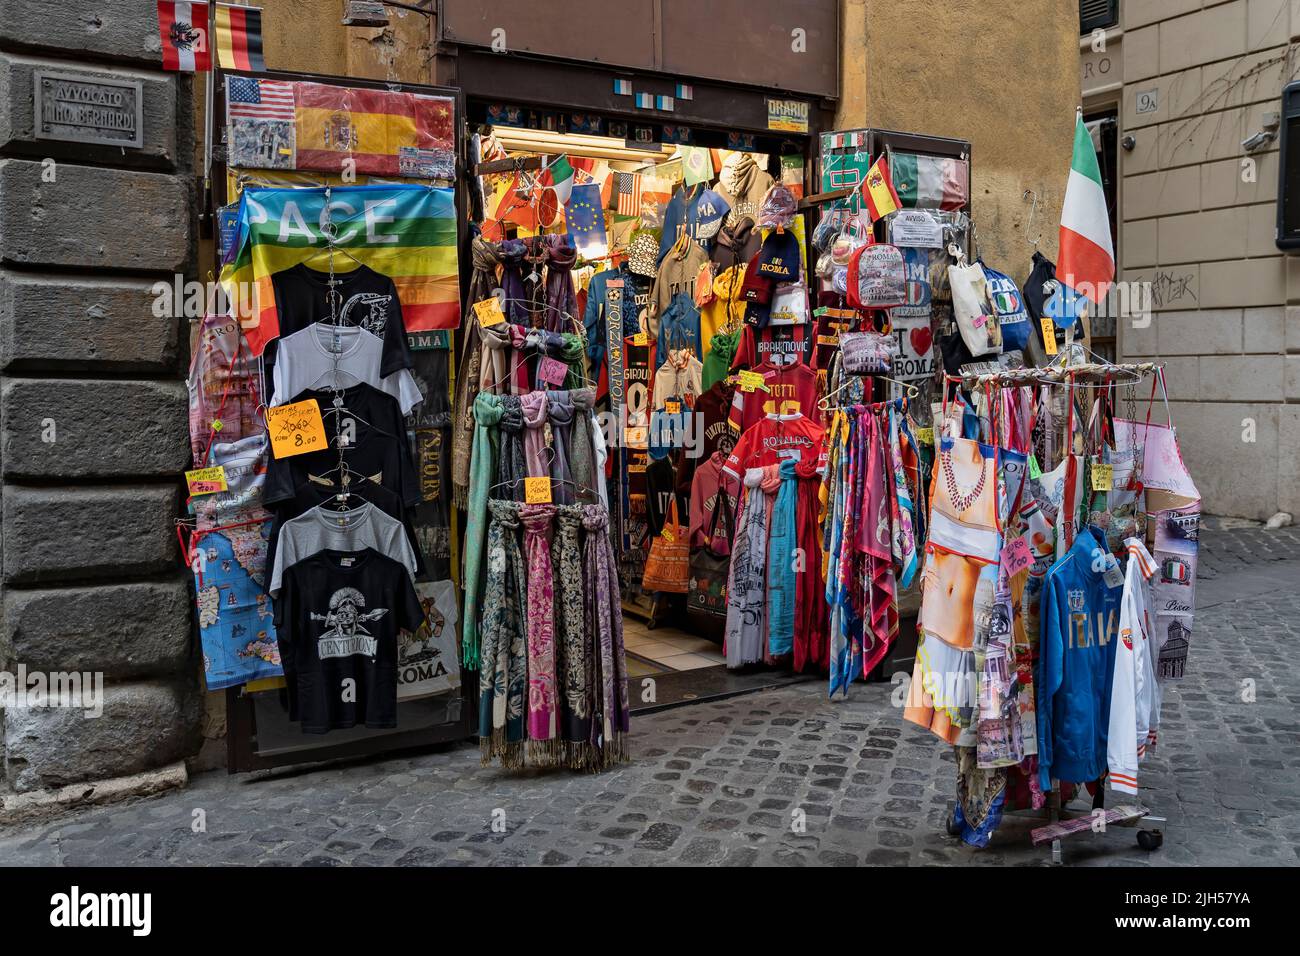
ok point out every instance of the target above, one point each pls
(296, 429)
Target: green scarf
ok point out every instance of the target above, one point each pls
(574, 355)
(722, 349)
(487, 412)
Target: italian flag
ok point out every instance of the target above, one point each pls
(1087, 259)
(558, 176)
(929, 182)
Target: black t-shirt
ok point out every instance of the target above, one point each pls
(371, 453)
(337, 620)
(366, 298)
(310, 494)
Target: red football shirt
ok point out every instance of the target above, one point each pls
(792, 389)
(776, 437)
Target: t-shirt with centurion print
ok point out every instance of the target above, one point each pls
(366, 298)
(337, 620)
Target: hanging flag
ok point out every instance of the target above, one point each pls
(879, 191)
(930, 182)
(558, 176)
(585, 219)
(239, 38)
(384, 132)
(184, 29)
(1087, 259)
(629, 193)
(248, 97)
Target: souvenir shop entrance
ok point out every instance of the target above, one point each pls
(664, 181)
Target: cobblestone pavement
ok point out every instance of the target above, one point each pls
(721, 782)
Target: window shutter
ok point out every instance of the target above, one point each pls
(1096, 14)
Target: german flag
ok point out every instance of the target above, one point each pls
(371, 127)
(239, 38)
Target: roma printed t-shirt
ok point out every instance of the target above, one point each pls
(792, 389)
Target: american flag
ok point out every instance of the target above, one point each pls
(250, 98)
(629, 193)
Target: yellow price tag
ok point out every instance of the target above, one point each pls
(1049, 335)
(296, 429)
(641, 339)
(673, 408)
(206, 481)
(1103, 477)
(925, 436)
(489, 312)
(668, 534)
(752, 380)
(537, 491)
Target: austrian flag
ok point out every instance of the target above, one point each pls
(184, 29)
(1087, 259)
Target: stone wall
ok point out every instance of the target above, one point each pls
(93, 425)
(1198, 218)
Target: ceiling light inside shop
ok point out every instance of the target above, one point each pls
(581, 144)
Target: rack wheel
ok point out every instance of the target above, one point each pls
(1150, 839)
(951, 824)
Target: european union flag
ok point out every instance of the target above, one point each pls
(585, 220)
(1065, 305)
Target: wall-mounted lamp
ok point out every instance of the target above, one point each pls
(1129, 143)
(364, 13)
(1265, 136)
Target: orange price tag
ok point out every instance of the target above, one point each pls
(1049, 335)
(673, 408)
(537, 491)
(206, 481)
(489, 312)
(640, 339)
(296, 429)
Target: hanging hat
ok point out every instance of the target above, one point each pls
(778, 257)
(642, 254)
(712, 209)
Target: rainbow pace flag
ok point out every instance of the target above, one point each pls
(1086, 264)
(406, 232)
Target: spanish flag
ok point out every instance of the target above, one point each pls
(374, 128)
(878, 190)
(239, 38)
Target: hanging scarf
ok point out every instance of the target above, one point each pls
(582, 467)
(571, 646)
(487, 413)
(496, 367)
(534, 287)
(900, 505)
(604, 627)
(840, 668)
(511, 254)
(534, 413)
(561, 300)
(543, 721)
(747, 579)
(573, 353)
(810, 644)
(504, 668)
(781, 554)
(559, 412)
(878, 570)
(511, 465)
(469, 373)
(849, 596)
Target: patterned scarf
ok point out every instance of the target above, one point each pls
(468, 373)
(504, 668)
(534, 411)
(781, 584)
(573, 353)
(561, 300)
(571, 648)
(603, 623)
(746, 584)
(543, 743)
(496, 367)
(878, 570)
(810, 644)
(511, 253)
(582, 466)
(511, 466)
(487, 413)
(900, 505)
(559, 411)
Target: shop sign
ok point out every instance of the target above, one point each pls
(79, 109)
(787, 116)
(916, 228)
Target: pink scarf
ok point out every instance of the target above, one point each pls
(534, 406)
(543, 741)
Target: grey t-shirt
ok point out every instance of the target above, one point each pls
(309, 358)
(321, 529)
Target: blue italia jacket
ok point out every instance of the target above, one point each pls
(1076, 657)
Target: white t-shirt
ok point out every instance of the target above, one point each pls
(309, 357)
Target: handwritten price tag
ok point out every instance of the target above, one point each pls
(552, 370)
(672, 407)
(537, 491)
(1016, 556)
(749, 381)
(1049, 335)
(489, 312)
(925, 436)
(206, 481)
(1103, 477)
(296, 429)
(641, 339)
